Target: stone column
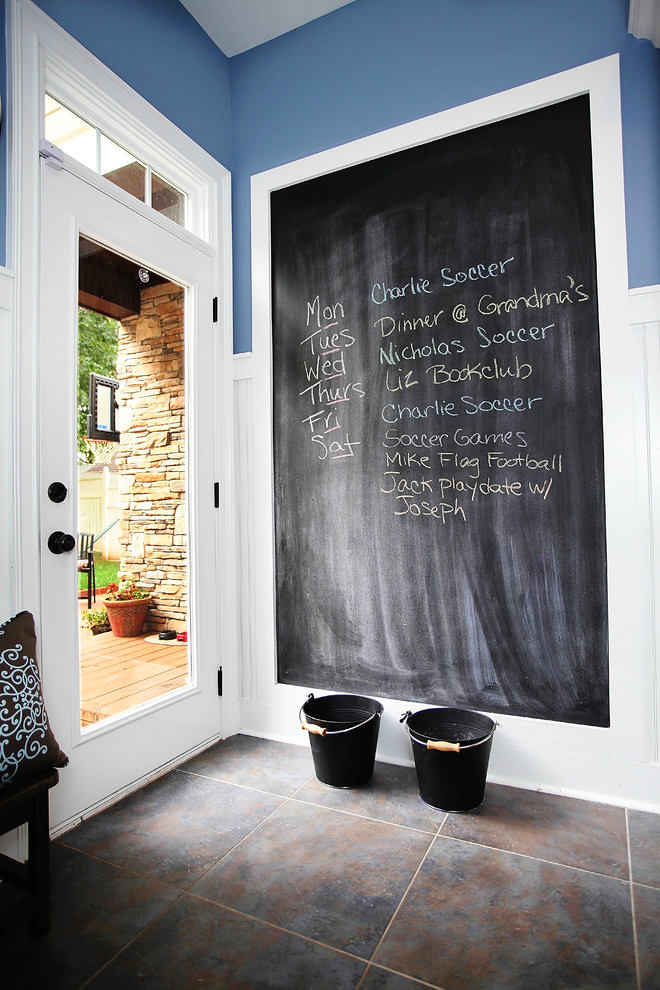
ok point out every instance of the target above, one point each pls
(151, 458)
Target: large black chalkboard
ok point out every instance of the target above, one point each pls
(438, 451)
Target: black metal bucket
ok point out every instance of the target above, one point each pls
(343, 734)
(451, 747)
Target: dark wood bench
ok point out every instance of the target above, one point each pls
(21, 803)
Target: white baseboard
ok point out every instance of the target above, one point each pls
(615, 782)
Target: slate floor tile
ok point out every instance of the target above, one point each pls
(644, 829)
(198, 944)
(95, 910)
(392, 795)
(647, 923)
(563, 830)
(382, 979)
(476, 915)
(329, 876)
(488, 920)
(279, 768)
(175, 829)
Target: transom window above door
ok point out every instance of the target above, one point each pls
(96, 151)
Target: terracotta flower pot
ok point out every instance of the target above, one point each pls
(127, 618)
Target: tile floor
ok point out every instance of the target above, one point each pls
(240, 870)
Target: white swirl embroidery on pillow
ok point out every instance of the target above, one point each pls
(22, 712)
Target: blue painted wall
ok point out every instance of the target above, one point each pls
(160, 50)
(366, 67)
(378, 63)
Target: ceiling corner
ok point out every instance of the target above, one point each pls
(236, 26)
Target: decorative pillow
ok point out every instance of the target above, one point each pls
(27, 745)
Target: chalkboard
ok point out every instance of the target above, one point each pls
(437, 424)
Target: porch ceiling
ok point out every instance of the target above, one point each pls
(110, 284)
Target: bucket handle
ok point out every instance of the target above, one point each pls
(320, 730)
(440, 745)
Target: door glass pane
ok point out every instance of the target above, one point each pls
(167, 200)
(132, 511)
(70, 133)
(122, 168)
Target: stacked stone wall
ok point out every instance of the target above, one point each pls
(151, 458)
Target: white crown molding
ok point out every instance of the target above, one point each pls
(644, 20)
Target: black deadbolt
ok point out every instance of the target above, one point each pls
(59, 542)
(57, 492)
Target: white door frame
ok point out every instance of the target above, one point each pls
(108, 756)
(43, 55)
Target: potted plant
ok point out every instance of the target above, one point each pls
(127, 605)
(95, 619)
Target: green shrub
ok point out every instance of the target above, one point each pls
(94, 619)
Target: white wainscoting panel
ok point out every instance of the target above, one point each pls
(244, 481)
(644, 315)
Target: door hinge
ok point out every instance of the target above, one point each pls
(216, 494)
(51, 154)
(219, 682)
(215, 309)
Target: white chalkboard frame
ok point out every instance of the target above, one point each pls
(555, 756)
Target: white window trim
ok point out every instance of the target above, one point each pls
(41, 55)
(79, 80)
(131, 202)
(99, 134)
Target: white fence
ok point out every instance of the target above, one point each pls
(98, 506)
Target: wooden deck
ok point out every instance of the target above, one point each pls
(118, 673)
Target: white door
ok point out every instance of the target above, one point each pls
(124, 746)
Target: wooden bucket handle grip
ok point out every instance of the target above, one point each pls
(443, 747)
(320, 730)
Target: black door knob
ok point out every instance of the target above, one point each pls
(57, 491)
(59, 542)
